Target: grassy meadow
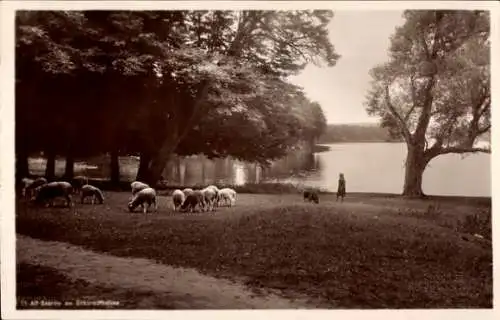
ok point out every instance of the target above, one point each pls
(368, 252)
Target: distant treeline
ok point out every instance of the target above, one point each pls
(364, 133)
(355, 133)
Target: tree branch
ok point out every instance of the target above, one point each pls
(425, 116)
(402, 124)
(463, 150)
(483, 130)
(413, 98)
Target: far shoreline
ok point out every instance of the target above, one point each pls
(324, 146)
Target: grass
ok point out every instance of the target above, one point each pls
(365, 253)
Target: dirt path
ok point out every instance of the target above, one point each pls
(187, 287)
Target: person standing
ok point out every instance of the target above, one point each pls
(341, 188)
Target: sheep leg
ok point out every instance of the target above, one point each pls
(68, 200)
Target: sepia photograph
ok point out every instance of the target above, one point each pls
(211, 158)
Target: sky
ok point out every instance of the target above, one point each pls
(362, 40)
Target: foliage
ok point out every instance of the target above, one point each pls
(439, 69)
(355, 133)
(147, 80)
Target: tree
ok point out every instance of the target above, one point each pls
(435, 89)
(255, 43)
(269, 125)
(149, 77)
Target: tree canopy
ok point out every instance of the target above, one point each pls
(159, 82)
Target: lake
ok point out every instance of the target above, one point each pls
(379, 167)
(368, 167)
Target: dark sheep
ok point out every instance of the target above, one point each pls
(311, 196)
(50, 191)
(32, 188)
(78, 182)
(192, 200)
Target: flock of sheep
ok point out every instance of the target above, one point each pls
(40, 191)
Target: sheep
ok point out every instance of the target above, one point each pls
(138, 186)
(210, 196)
(216, 190)
(52, 190)
(88, 190)
(32, 188)
(147, 195)
(213, 187)
(228, 195)
(312, 196)
(178, 198)
(193, 199)
(187, 191)
(78, 182)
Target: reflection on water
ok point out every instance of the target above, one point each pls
(368, 167)
(200, 170)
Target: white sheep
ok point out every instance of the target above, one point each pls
(138, 186)
(50, 191)
(213, 187)
(187, 191)
(178, 198)
(148, 196)
(88, 190)
(227, 195)
(210, 197)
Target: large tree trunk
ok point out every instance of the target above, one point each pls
(50, 169)
(115, 168)
(416, 161)
(144, 164)
(159, 162)
(162, 156)
(178, 128)
(69, 170)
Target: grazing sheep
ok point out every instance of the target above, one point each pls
(148, 196)
(50, 191)
(78, 182)
(178, 198)
(187, 191)
(228, 195)
(311, 196)
(193, 199)
(210, 197)
(90, 191)
(138, 186)
(213, 187)
(32, 189)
